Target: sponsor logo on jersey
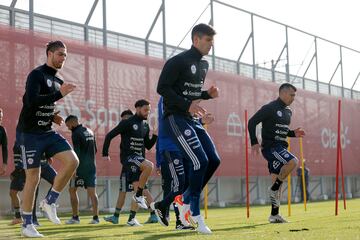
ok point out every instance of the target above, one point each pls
(176, 161)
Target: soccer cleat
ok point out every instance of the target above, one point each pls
(152, 219)
(274, 197)
(160, 213)
(180, 226)
(141, 201)
(50, 211)
(178, 200)
(201, 226)
(94, 221)
(16, 221)
(184, 211)
(277, 219)
(72, 221)
(133, 223)
(30, 231)
(112, 219)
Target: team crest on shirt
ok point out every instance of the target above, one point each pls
(176, 161)
(187, 132)
(133, 169)
(279, 113)
(193, 69)
(135, 127)
(286, 155)
(49, 82)
(30, 161)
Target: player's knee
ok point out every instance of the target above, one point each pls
(294, 161)
(148, 165)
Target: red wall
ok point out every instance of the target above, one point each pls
(109, 81)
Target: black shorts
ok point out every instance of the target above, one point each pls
(277, 157)
(125, 185)
(18, 177)
(132, 166)
(84, 180)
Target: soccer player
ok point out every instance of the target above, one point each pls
(35, 136)
(125, 187)
(275, 118)
(85, 148)
(3, 143)
(170, 165)
(135, 137)
(18, 181)
(180, 84)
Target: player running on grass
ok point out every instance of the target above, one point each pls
(275, 118)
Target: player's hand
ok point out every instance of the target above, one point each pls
(107, 158)
(58, 119)
(67, 88)
(255, 149)
(299, 132)
(207, 119)
(3, 169)
(158, 171)
(213, 92)
(195, 109)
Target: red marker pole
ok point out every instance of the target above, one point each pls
(341, 162)
(338, 153)
(247, 165)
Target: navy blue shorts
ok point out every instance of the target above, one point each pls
(33, 146)
(84, 180)
(18, 177)
(132, 167)
(277, 157)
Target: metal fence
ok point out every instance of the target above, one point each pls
(54, 26)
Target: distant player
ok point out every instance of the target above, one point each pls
(135, 137)
(3, 143)
(84, 144)
(125, 187)
(275, 118)
(35, 136)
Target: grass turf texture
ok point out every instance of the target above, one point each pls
(318, 222)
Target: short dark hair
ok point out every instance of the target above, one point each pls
(71, 118)
(142, 102)
(201, 30)
(287, 86)
(52, 46)
(126, 112)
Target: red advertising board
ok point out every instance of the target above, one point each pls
(110, 81)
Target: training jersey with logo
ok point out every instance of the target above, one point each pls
(134, 137)
(3, 143)
(41, 92)
(275, 118)
(181, 81)
(85, 148)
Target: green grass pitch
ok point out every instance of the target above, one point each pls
(318, 222)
